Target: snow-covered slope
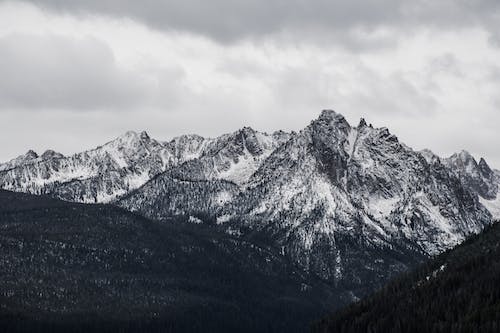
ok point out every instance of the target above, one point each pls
(333, 193)
(200, 187)
(128, 162)
(29, 158)
(492, 201)
(233, 157)
(98, 175)
(347, 203)
(478, 176)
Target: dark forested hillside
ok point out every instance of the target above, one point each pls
(78, 268)
(459, 291)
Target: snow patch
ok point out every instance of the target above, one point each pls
(223, 197)
(137, 180)
(493, 206)
(381, 208)
(223, 218)
(108, 197)
(442, 224)
(195, 220)
(324, 190)
(240, 172)
(351, 141)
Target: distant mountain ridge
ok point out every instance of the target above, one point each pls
(352, 205)
(124, 164)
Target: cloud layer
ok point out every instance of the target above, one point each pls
(229, 20)
(78, 73)
(51, 71)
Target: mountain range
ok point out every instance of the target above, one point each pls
(350, 205)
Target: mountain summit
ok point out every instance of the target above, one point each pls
(352, 205)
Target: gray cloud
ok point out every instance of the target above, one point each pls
(230, 20)
(58, 72)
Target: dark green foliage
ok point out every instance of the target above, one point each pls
(459, 291)
(68, 267)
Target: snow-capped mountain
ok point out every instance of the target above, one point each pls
(97, 175)
(28, 158)
(200, 187)
(478, 176)
(344, 202)
(335, 197)
(128, 162)
(351, 204)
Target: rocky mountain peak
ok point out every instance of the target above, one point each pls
(429, 155)
(464, 156)
(362, 123)
(31, 154)
(133, 135)
(187, 138)
(49, 154)
(248, 137)
(332, 117)
(247, 130)
(144, 135)
(330, 121)
(27, 158)
(280, 133)
(480, 177)
(484, 168)
(131, 139)
(327, 195)
(463, 162)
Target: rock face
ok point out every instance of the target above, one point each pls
(27, 158)
(352, 205)
(122, 165)
(478, 176)
(97, 175)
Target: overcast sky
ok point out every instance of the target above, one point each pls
(75, 74)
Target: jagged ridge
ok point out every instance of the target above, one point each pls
(350, 204)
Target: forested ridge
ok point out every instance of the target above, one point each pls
(67, 267)
(458, 291)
